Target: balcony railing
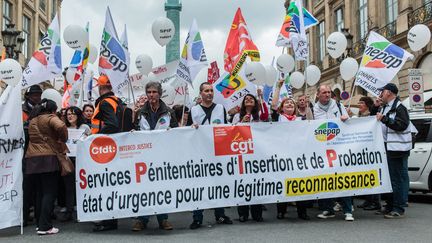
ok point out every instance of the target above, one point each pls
(388, 31)
(420, 15)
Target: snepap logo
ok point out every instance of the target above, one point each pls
(382, 54)
(103, 149)
(112, 55)
(234, 140)
(230, 85)
(327, 131)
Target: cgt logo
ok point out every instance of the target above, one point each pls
(327, 131)
(233, 140)
(103, 149)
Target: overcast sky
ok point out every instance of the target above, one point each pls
(264, 19)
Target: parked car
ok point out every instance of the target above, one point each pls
(420, 160)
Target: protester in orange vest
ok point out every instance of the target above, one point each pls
(105, 121)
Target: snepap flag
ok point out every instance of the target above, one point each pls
(293, 30)
(239, 45)
(193, 57)
(113, 56)
(381, 61)
(45, 63)
(79, 61)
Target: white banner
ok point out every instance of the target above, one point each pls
(11, 154)
(380, 63)
(153, 172)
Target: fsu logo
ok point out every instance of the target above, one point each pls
(236, 140)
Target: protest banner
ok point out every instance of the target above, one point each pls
(74, 135)
(153, 172)
(11, 154)
(380, 63)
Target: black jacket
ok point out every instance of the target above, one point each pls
(163, 110)
(107, 116)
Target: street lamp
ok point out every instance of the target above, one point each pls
(12, 41)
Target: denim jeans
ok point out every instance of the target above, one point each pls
(398, 169)
(328, 204)
(198, 214)
(160, 218)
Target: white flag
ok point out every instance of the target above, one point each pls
(193, 57)
(114, 57)
(45, 63)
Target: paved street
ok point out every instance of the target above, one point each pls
(367, 227)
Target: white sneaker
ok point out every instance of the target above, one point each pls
(337, 207)
(326, 215)
(349, 217)
(48, 232)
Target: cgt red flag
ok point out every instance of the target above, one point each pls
(213, 73)
(239, 45)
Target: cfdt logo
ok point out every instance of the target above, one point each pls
(103, 149)
(233, 140)
(327, 131)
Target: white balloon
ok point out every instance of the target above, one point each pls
(76, 37)
(285, 63)
(70, 75)
(53, 95)
(93, 54)
(336, 44)
(144, 64)
(163, 30)
(10, 72)
(348, 68)
(297, 80)
(418, 37)
(256, 73)
(271, 75)
(313, 75)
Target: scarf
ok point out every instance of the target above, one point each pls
(290, 118)
(325, 107)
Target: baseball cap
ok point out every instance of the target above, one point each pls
(390, 87)
(34, 89)
(103, 80)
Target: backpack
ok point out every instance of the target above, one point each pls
(124, 115)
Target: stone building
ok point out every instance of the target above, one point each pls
(390, 18)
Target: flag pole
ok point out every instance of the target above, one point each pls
(131, 89)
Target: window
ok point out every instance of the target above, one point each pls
(26, 36)
(42, 5)
(424, 131)
(321, 41)
(392, 10)
(7, 14)
(339, 19)
(363, 18)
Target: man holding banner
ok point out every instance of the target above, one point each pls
(398, 140)
(327, 108)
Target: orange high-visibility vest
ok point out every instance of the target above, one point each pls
(96, 124)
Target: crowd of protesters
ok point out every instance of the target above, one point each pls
(47, 132)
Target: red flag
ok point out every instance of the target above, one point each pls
(213, 73)
(239, 45)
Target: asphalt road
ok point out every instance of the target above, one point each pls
(367, 227)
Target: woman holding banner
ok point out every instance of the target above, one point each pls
(286, 112)
(77, 129)
(249, 112)
(47, 135)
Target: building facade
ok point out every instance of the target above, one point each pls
(390, 18)
(32, 17)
